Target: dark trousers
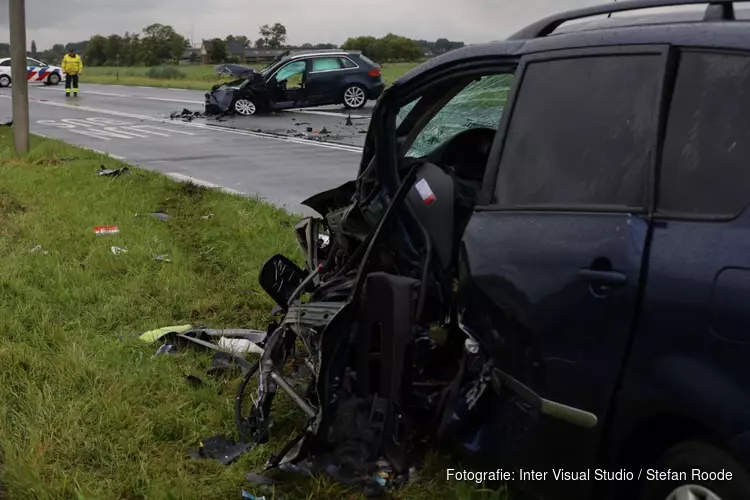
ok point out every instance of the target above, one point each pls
(71, 83)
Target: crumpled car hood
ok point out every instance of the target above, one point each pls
(236, 70)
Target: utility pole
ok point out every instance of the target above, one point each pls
(20, 86)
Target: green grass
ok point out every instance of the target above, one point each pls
(85, 412)
(193, 77)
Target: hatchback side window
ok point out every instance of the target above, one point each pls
(581, 133)
(479, 105)
(325, 64)
(347, 63)
(5, 63)
(291, 70)
(704, 163)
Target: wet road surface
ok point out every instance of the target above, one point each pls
(133, 123)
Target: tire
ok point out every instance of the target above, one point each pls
(689, 455)
(4, 81)
(245, 106)
(355, 97)
(53, 79)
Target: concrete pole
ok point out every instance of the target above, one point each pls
(20, 87)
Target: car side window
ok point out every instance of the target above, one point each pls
(581, 133)
(5, 63)
(478, 105)
(704, 161)
(290, 70)
(31, 62)
(325, 64)
(347, 63)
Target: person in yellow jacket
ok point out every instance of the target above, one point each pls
(72, 66)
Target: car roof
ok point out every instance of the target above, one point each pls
(675, 28)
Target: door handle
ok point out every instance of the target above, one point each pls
(606, 278)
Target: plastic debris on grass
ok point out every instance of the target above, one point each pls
(118, 250)
(156, 215)
(162, 258)
(109, 172)
(103, 230)
(38, 249)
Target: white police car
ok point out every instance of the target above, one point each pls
(36, 71)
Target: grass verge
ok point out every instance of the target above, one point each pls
(85, 411)
(191, 77)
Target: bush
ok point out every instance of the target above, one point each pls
(165, 73)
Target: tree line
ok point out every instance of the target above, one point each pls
(159, 44)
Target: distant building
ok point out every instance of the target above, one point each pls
(238, 52)
(190, 54)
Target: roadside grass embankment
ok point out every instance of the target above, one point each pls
(190, 77)
(86, 411)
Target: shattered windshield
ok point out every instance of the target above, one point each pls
(479, 105)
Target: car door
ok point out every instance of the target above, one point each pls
(551, 260)
(34, 70)
(324, 81)
(287, 85)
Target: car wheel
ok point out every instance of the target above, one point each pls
(696, 467)
(355, 97)
(4, 80)
(245, 107)
(53, 79)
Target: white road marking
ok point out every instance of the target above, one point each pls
(172, 100)
(337, 114)
(339, 147)
(325, 113)
(186, 178)
(107, 128)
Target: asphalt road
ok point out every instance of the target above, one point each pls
(133, 123)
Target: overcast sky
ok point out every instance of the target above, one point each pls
(60, 21)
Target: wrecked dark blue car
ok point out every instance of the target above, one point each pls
(542, 265)
(297, 80)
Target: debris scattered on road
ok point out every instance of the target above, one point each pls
(156, 215)
(324, 131)
(118, 250)
(109, 172)
(162, 258)
(349, 122)
(309, 130)
(102, 230)
(224, 450)
(38, 249)
(186, 115)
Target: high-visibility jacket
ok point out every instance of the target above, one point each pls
(72, 65)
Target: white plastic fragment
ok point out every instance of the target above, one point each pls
(239, 346)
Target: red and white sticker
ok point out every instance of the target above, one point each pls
(100, 230)
(425, 192)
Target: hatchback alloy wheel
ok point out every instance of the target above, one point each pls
(4, 81)
(354, 97)
(692, 492)
(245, 107)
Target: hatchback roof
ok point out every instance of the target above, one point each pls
(716, 10)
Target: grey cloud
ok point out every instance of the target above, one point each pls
(55, 21)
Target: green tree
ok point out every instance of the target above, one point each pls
(178, 46)
(218, 50)
(113, 50)
(33, 48)
(159, 44)
(96, 51)
(260, 43)
(367, 44)
(273, 36)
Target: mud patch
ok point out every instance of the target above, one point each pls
(9, 206)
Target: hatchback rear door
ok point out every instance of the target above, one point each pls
(552, 263)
